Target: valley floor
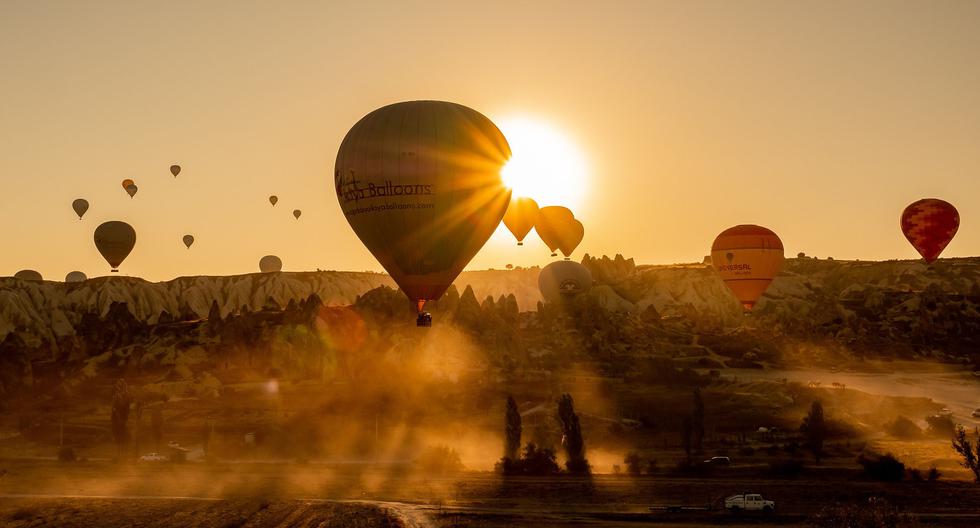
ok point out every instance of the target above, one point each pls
(259, 495)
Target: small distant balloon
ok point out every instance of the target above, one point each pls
(131, 189)
(175, 170)
(115, 240)
(28, 275)
(929, 225)
(521, 215)
(571, 238)
(270, 264)
(80, 206)
(127, 182)
(297, 213)
(747, 257)
(188, 240)
(552, 226)
(75, 276)
(273, 199)
(564, 279)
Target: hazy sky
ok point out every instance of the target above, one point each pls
(820, 121)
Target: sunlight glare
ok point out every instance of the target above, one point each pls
(545, 165)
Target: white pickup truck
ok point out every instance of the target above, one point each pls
(749, 502)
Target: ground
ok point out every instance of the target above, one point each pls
(46, 493)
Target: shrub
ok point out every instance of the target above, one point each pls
(634, 464)
(941, 426)
(439, 460)
(902, 427)
(877, 513)
(885, 467)
(66, 454)
(789, 468)
(934, 474)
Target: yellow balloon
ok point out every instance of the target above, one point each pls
(521, 215)
(553, 222)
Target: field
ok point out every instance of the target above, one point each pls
(43, 493)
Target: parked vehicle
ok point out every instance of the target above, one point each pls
(153, 457)
(718, 461)
(749, 502)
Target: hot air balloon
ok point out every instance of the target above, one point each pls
(296, 213)
(571, 237)
(552, 224)
(270, 263)
(28, 275)
(188, 240)
(80, 206)
(75, 276)
(419, 182)
(115, 240)
(175, 170)
(929, 224)
(747, 257)
(131, 189)
(520, 217)
(127, 182)
(564, 279)
(273, 199)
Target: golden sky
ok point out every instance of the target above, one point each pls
(819, 121)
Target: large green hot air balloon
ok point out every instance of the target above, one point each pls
(175, 170)
(115, 240)
(188, 240)
(420, 184)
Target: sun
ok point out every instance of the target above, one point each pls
(544, 165)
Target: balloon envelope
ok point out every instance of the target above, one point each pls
(28, 275)
(127, 182)
(131, 190)
(419, 182)
(273, 199)
(75, 276)
(188, 240)
(521, 215)
(930, 224)
(564, 279)
(552, 224)
(80, 206)
(747, 257)
(571, 237)
(115, 240)
(175, 170)
(296, 213)
(270, 263)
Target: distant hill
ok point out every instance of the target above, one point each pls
(894, 308)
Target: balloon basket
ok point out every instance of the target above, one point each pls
(519, 243)
(424, 320)
(113, 271)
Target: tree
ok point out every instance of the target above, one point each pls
(814, 429)
(634, 464)
(572, 436)
(697, 421)
(121, 400)
(686, 433)
(512, 442)
(969, 452)
(156, 424)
